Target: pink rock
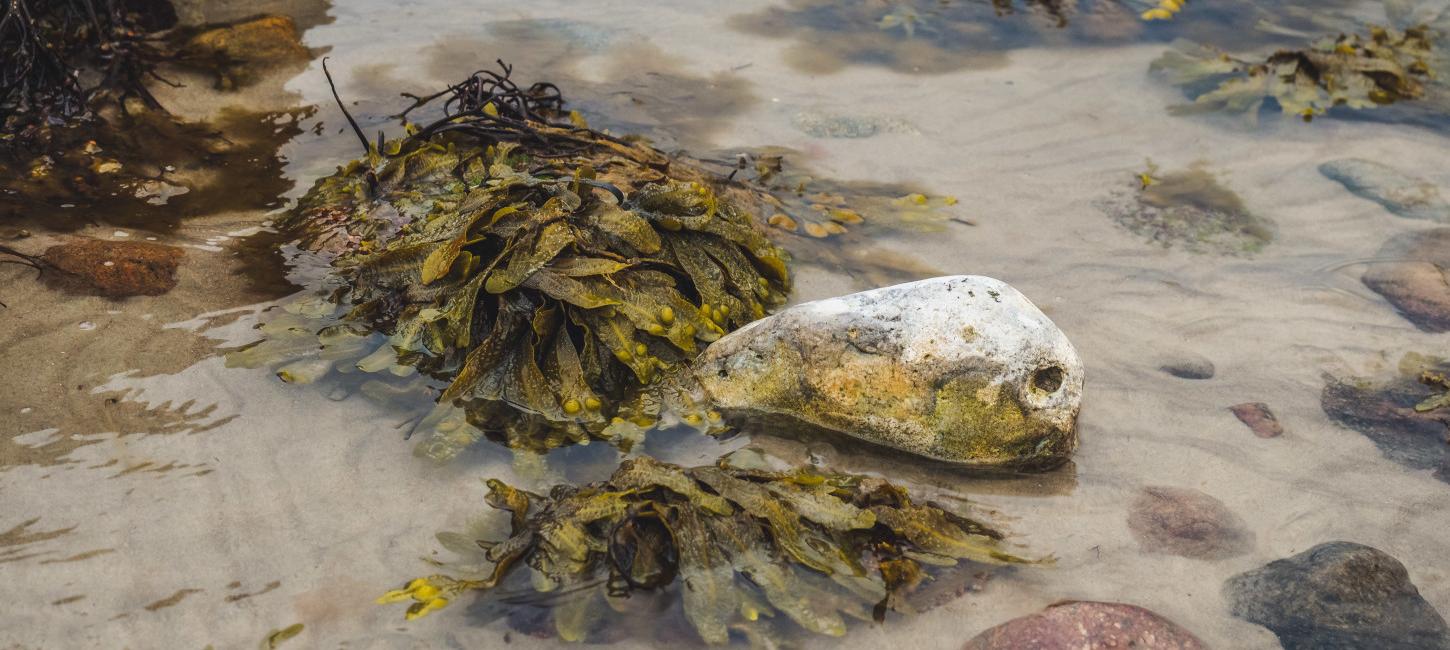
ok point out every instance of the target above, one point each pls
(1187, 523)
(1087, 625)
(1259, 419)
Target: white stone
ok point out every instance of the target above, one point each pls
(963, 369)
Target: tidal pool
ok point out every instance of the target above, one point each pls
(1203, 264)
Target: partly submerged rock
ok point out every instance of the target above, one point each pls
(1087, 625)
(1400, 193)
(115, 269)
(1186, 522)
(1258, 418)
(1400, 414)
(1338, 595)
(962, 369)
(1414, 276)
(240, 51)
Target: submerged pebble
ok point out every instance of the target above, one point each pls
(1187, 365)
(1258, 418)
(1338, 595)
(1087, 625)
(1188, 523)
(115, 269)
(1414, 276)
(1398, 192)
(240, 50)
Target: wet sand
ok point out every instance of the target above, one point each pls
(173, 523)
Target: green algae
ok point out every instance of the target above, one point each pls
(1190, 209)
(817, 549)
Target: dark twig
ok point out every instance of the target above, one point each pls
(46, 44)
(367, 148)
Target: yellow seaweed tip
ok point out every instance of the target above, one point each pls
(420, 589)
(571, 406)
(1157, 14)
(424, 608)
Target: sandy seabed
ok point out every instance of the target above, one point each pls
(156, 499)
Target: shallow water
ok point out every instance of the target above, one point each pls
(156, 498)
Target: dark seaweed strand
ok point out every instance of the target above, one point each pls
(42, 52)
(33, 76)
(367, 148)
(37, 263)
(515, 113)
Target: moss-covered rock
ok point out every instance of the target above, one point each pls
(963, 369)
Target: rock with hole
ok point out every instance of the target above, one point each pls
(963, 369)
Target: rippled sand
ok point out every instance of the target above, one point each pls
(154, 498)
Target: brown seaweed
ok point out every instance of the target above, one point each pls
(817, 549)
(1349, 70)
(46, 46)
(543, 272)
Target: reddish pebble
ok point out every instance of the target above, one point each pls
(1259, 419)
(116, 269)
(1086, 625)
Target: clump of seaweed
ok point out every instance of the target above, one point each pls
(747, 544)
(544, 272)
(1348, 70)
(1439, 382)
(82, 137)
(46, 46)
